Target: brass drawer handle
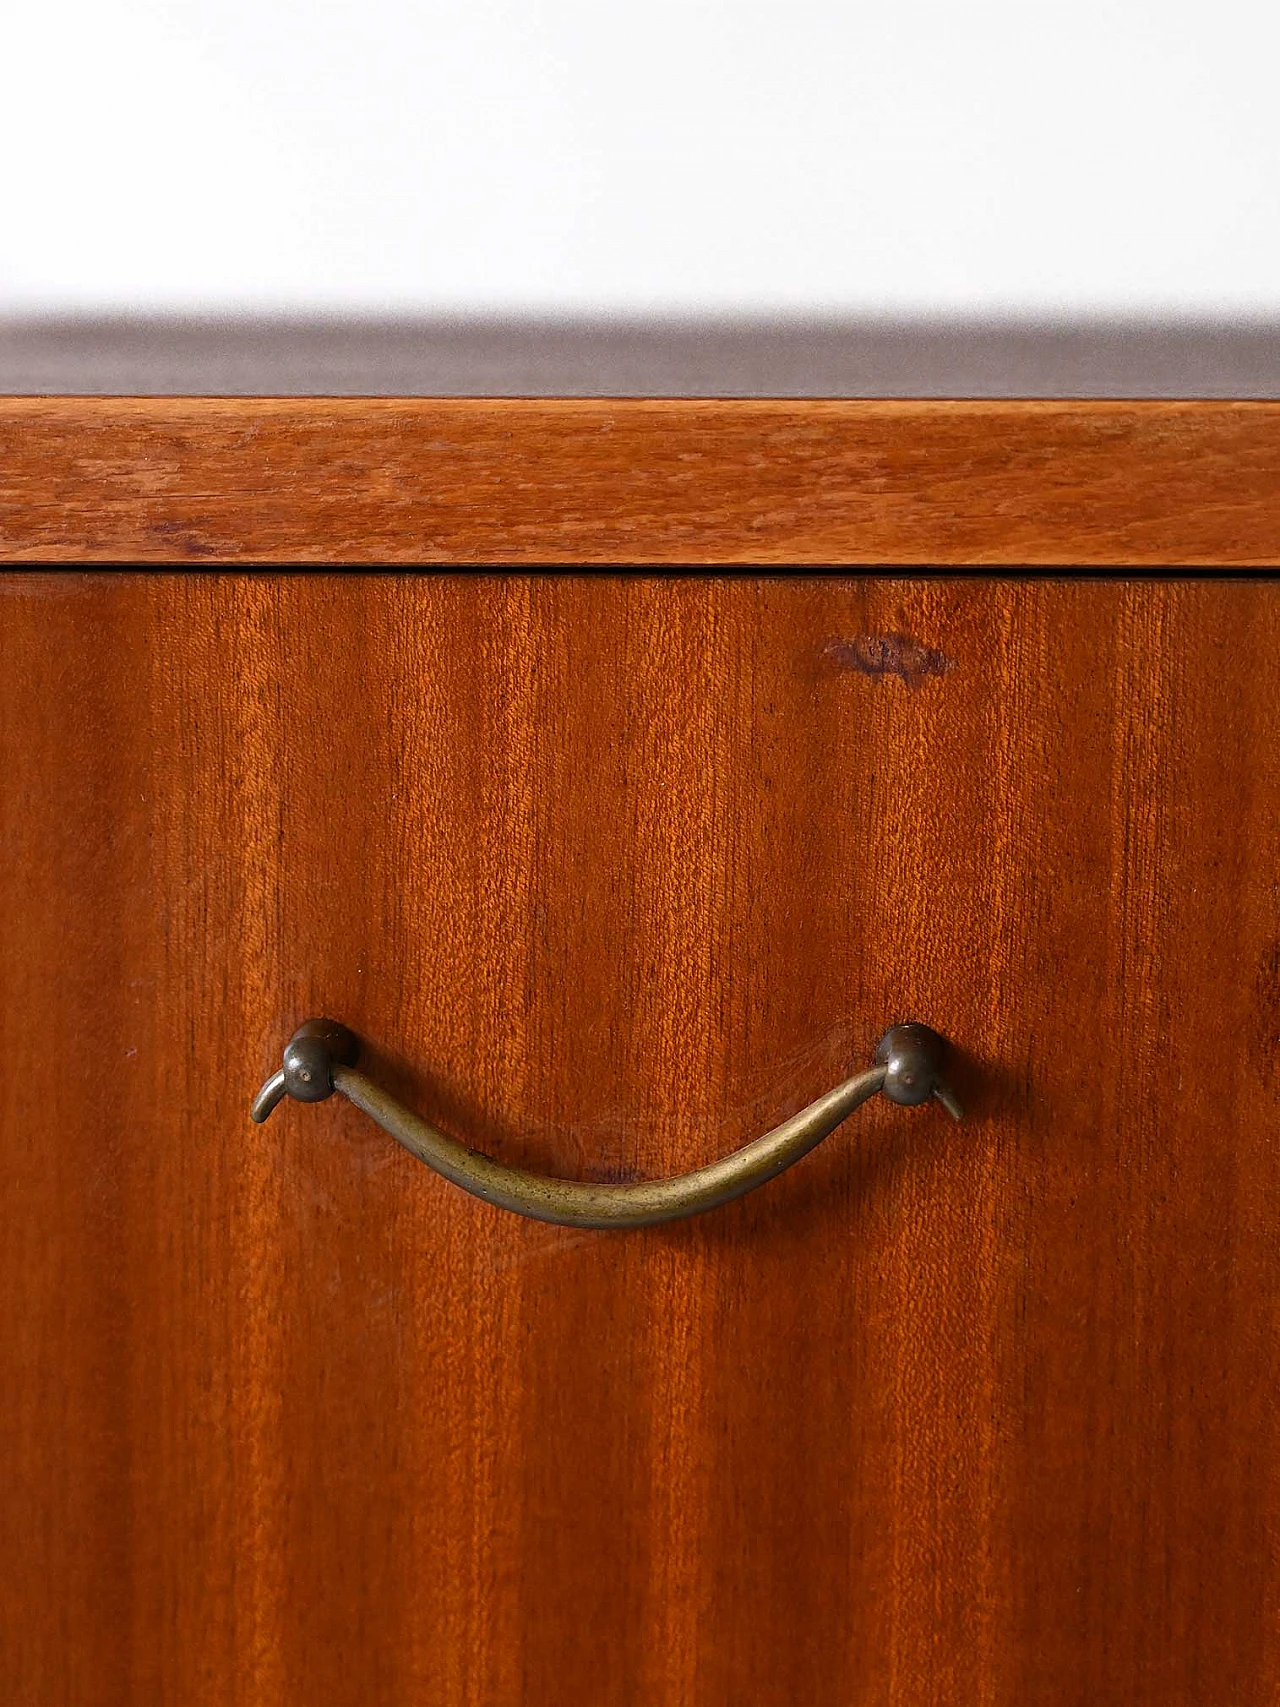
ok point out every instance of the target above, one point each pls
(320, 1058)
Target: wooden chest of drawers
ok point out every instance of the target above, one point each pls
(957, 714)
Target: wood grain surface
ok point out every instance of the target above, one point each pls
(577, 481)
(613, 874)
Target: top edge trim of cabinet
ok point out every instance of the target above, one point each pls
(639, 482)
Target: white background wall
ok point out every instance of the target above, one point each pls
(981, 157)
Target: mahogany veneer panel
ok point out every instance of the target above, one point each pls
(613, 875)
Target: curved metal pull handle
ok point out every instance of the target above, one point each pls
(320, 1059)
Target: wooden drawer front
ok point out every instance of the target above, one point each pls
(614, 873)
